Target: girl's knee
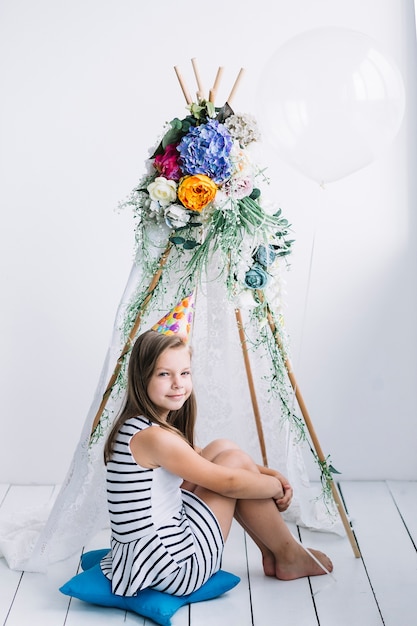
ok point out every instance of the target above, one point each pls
(235, 457)
(226, 452)
(217, 446)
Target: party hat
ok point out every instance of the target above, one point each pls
(178, 321)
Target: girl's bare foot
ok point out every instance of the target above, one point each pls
(301, 564)
(268, 562)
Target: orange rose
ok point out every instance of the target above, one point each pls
(195, 192)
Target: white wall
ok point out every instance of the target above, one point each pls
(86, 87)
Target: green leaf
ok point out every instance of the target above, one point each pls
(196, 110)
(211, 111)
(175, 133)
(172, 136)
(189, 225)
(333, 470)
(187, 122)
(190, 244)
(178, 241)
(255, 194)
(176, 123)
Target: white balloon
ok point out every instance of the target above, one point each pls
(330, 100)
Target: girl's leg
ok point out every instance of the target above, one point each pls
(268, 559)
(226, 452)
(282, 555)
(222, 506)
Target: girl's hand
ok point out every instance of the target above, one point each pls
(284, 502)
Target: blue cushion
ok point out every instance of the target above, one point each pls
(89, 559)
(92, 586)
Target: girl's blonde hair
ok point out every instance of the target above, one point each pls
(146, 351)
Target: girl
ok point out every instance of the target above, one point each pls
(171, 504)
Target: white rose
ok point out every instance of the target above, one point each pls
(176, 216)
(163, 191)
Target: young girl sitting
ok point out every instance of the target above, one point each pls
(171, 504)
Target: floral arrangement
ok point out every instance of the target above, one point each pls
(203, 184)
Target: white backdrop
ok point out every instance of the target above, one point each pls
(86, 88)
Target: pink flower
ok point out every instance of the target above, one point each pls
(238, 187)
(167, 163)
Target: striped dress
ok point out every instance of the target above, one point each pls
(161, 536)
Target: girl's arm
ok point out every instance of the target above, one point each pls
(157, 447)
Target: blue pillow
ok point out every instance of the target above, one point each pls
(89, 559)
(92, 586)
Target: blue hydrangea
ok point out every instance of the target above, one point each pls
(205, 149)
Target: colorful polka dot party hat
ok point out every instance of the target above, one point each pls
(179, 320)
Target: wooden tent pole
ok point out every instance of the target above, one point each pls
(213, 90)
(311, 430)
(128, 345)
(183, 86)
(236, 85)
(201, 94)
(249, 376)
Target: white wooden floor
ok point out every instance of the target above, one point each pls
(378, 589)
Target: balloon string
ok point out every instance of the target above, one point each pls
(307, 293)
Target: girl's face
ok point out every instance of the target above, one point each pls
(170, 384)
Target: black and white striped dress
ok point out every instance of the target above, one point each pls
(162, 536)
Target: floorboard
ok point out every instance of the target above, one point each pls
(278, 602)
(405, 498)
(349, 580)
(232, 607)
(83, 614)
(378, 589)
(21, 591)
(3, 491)
(388, 553)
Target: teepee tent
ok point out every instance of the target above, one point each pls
(204, 226)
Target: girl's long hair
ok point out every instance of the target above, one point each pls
(147, 349)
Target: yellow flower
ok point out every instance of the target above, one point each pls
(195, 192)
